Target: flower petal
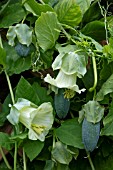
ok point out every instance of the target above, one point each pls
(42, 121)
(64, 81)
(73, 63)
(13, 117)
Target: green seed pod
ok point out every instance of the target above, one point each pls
(61, 104)
(90, 134)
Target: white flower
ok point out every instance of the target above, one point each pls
(71, 66)
(38, 120)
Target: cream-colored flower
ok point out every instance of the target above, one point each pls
(70, 65)
(38, 120)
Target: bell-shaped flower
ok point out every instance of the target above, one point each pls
(38, 119)
(71, 65)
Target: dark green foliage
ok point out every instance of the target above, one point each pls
(61, 104)
(90, 134)
(63, 46)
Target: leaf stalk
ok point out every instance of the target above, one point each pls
(95, 74)
(90, 161)
(4, 158)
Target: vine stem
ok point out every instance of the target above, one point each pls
(95, 74)
(10, 87)
(5, 159)
(15, 155)
(24, 160)
(13, 101)
(104, 14)
(53, 140)
(90, 161)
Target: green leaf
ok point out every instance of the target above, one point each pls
(20, 65)
(70, 133)
(110, 26)
(88, 76)
(84, 5)
(106, 88)
(104, 163)
(92, 111)
(108, 50)
(47, 30)
(93, 13)
(74, 151)
(3, 7)
(61, 154)
(25, 90)
(108, 123)
(60, 166)
(33, 148)
(13, 63)
(46, 152)
(5, 109)
(46, 57)
(41, 91)
(14, 13)
(18, 137)
(49, 165)
(93, 29)
(36, 8)
(104, 75)
(2, 57)
(68, 12)
(5, 141)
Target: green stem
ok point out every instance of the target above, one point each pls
(5, 159)
(15, 155)
(71, 28)
(5, 6)
(68, 35)
(65, 33)
(10, 87)
(53, 140)
(24, 160)
(1, 42)
(95, 74)
(90, 161)
(104, 14)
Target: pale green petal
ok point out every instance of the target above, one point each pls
(13, 117)
(25, 107)
(57, 62)
(21, 103)
(43, 120)
(74, 63)
(50, 80)
(38, 120)
(64, 81)
(32, 134)
(43, 115)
